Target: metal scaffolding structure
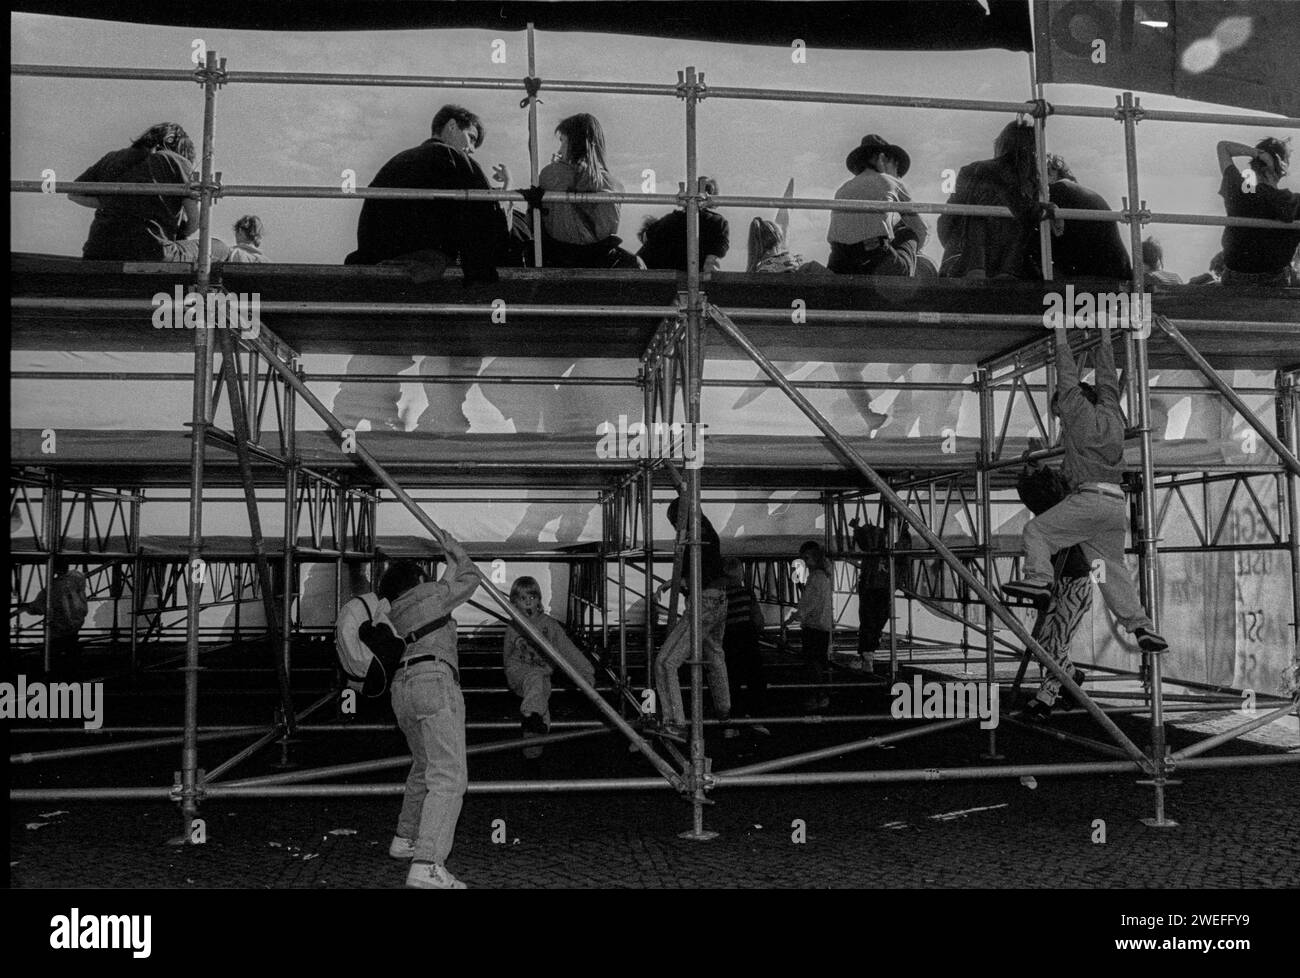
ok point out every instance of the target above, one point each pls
(260, 377)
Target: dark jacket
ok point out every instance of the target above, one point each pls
(665, 240)
(1000, 246)
(475, 232)
(1093, 434)
(1087, 248)
(135, 228)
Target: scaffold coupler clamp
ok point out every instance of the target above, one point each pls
(691, 84)
(217, 75)
(1135, 110)
(177, 794)
(1040, 108)
(532, 86)
(1141, 215)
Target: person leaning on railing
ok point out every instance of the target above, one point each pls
(995, 247)
(145, 228)
(1083, 249)
(1258, 256)
(663, 242)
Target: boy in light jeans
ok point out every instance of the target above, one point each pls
(430, 711)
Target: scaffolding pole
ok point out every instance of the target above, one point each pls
(692, 87)
(210, 76)
(1138, 382)
(930, 537)
(521, 622)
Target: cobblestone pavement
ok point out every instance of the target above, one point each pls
(1238, 827)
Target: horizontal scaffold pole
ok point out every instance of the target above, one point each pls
(387, 763)
(930, 537)
(1064, 769)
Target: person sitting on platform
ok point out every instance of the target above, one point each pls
(1094, 515)
(67, 610)
(1154, 275)
(872, 242)
(1258, 256)
(436, 232)
(1214, 275)
(664, 241)
(581, 235)
(768, 252)
(430, 710)
(249, 230)
(816, 617)
(995, 247)
(745, 624)
(1040, 488)
(677, 645)
(528, 669)
(1083, 249)
(140, 228)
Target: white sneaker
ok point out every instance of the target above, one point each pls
(430, 876)
(401, 848)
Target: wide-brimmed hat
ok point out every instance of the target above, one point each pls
(856, 161)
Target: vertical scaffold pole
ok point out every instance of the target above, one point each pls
(137, 569)
(648, 538)
(984, 486)
(52, 516)
(533, 168)
(1139, 394)
(210, 75)
(1289, 429)
(694, 369)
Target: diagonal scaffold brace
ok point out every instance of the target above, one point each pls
(522, 623)
(733, 332)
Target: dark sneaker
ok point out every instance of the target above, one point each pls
(1149, 641)
(1036, 712)
(1029, 590)
(670, 731)
(1065, 699)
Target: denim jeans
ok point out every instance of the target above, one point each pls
(1098, 524)
(431, 713)
(676, 648)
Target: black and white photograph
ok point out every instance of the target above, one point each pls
(758, 445)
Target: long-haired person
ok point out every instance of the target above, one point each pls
(996, 247)
(581, 235)
(145, 228)
(767, 250)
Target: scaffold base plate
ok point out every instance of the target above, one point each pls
(703, 836)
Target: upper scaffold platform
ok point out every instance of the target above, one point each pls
(161, 458)
(614, 314)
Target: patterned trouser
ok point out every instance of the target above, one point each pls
(1070, 600)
